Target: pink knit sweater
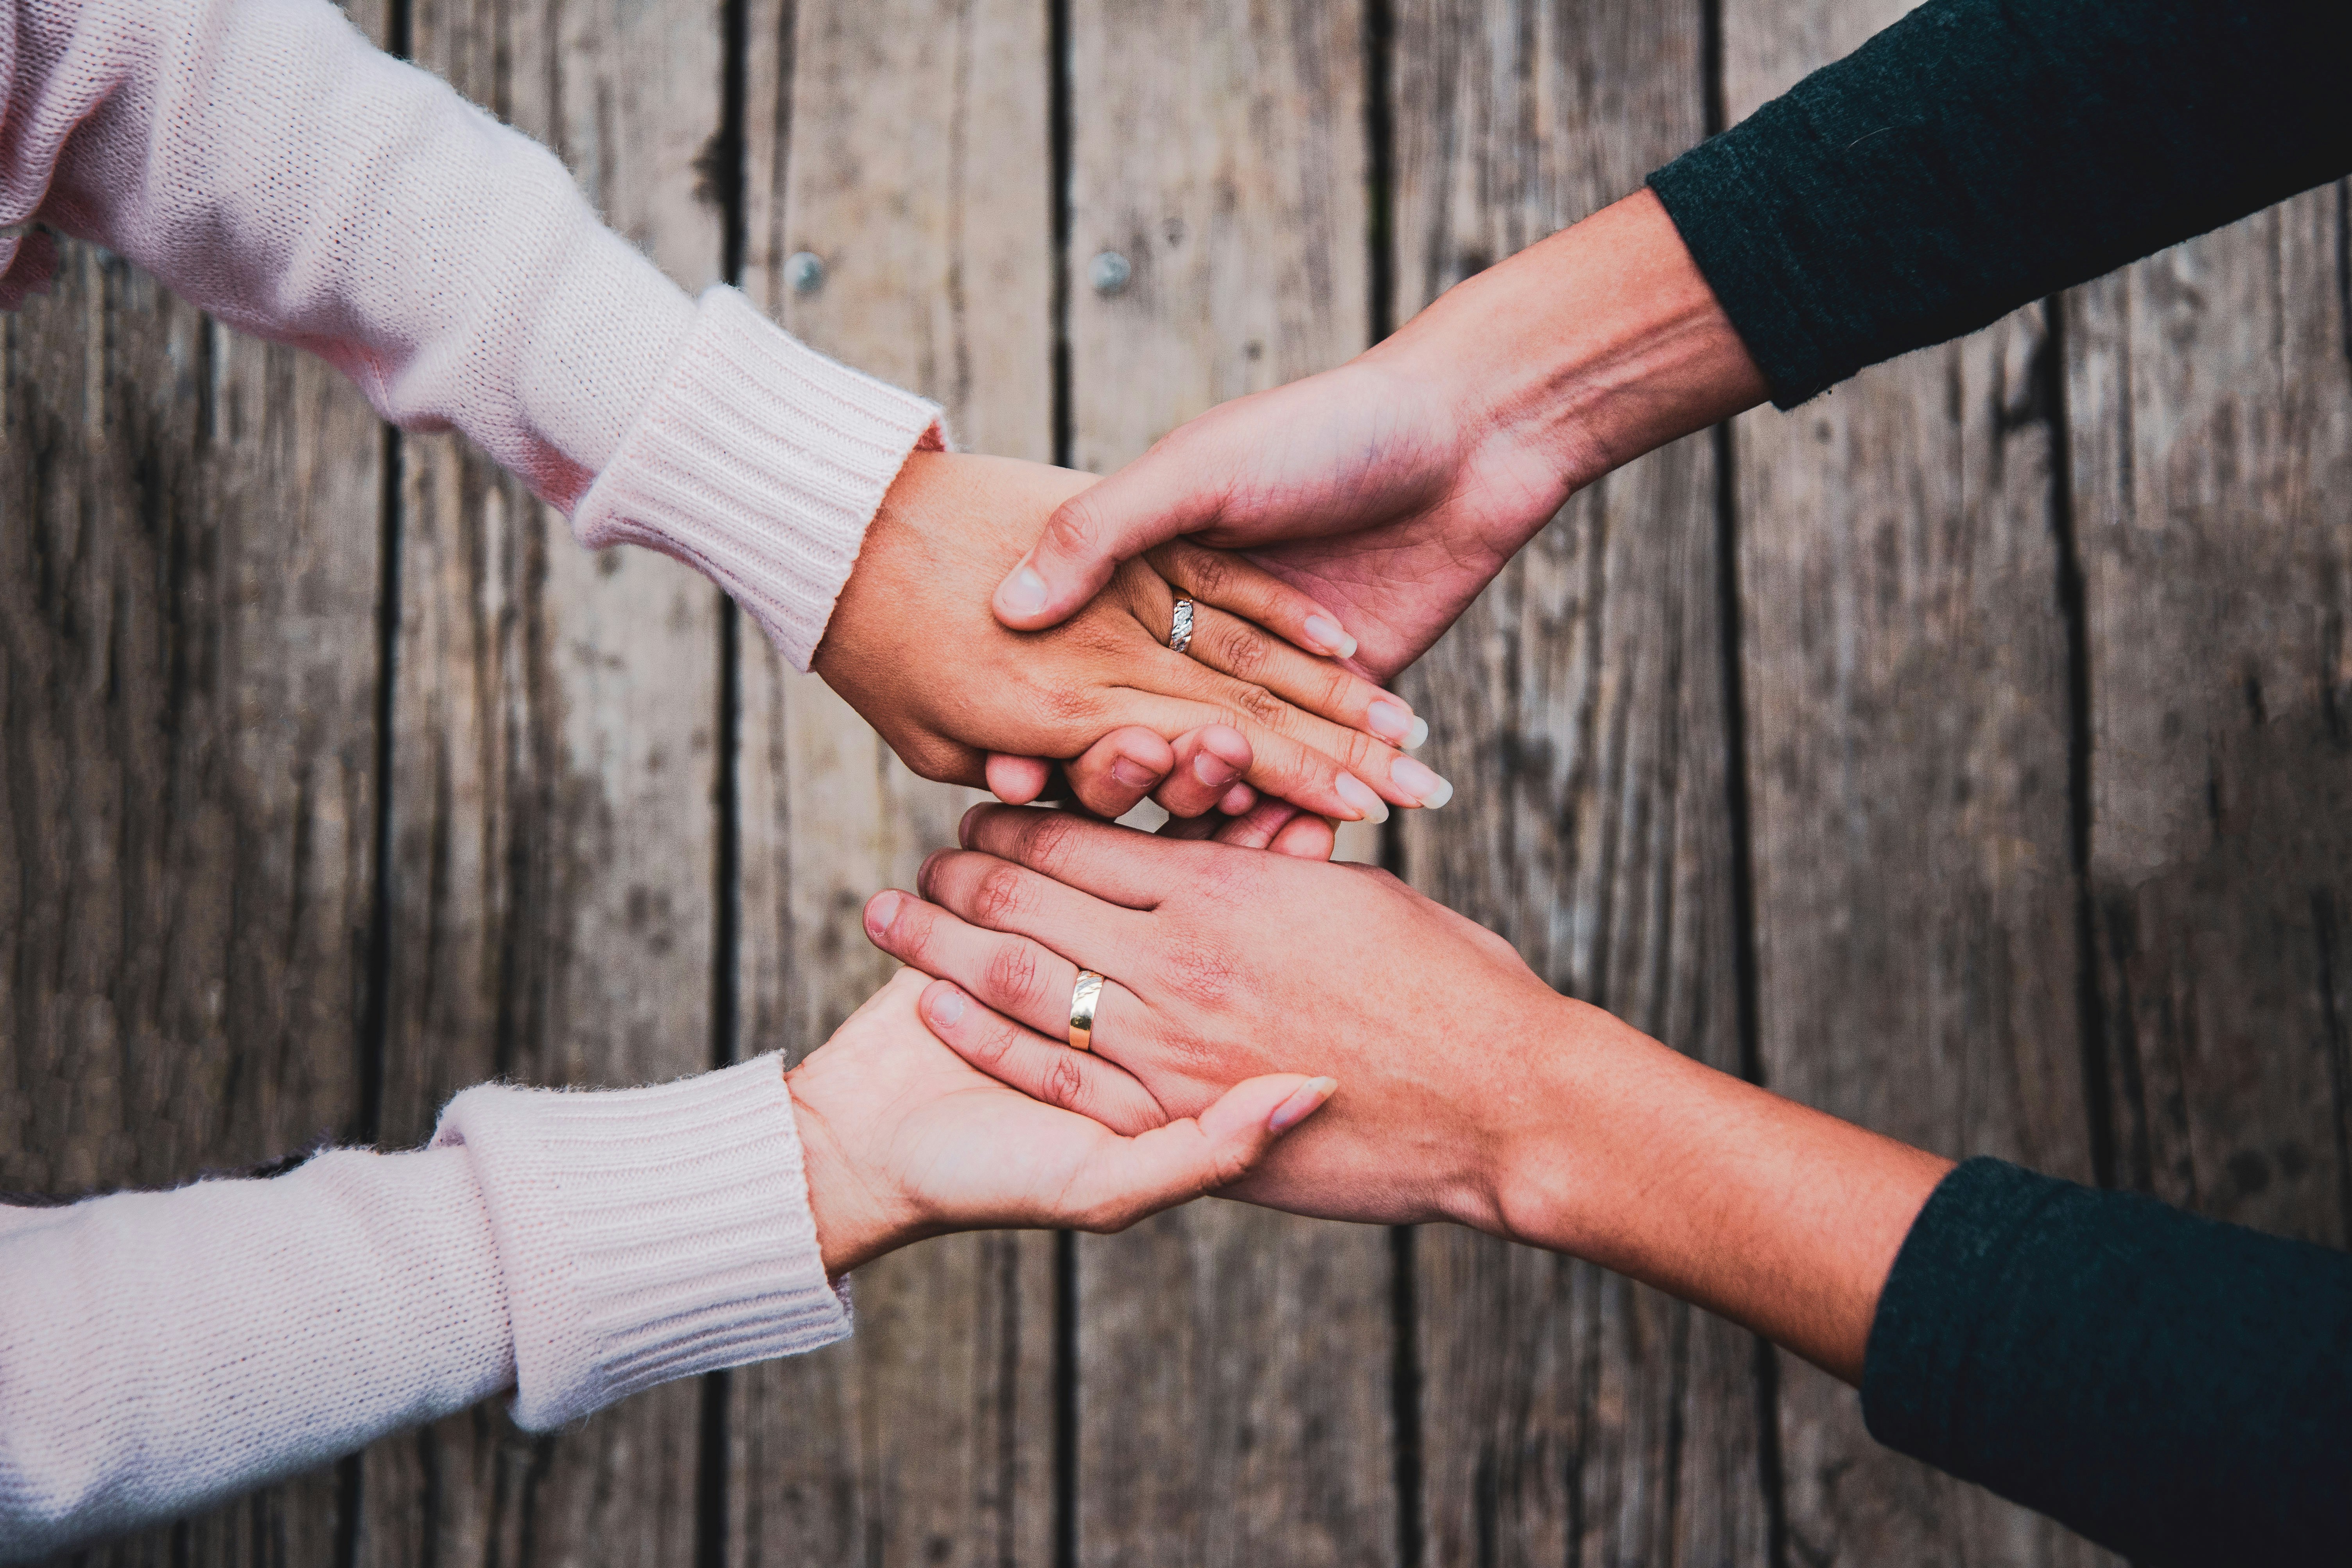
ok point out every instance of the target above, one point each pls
(158, 1351)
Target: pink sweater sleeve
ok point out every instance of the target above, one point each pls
(162, 1351)
(265, 161)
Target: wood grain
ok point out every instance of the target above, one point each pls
(906, 145)
(188, 548)
(1905, 664)
(1232, 1388)
(1569, 1414)
(2210, 398)
(555, 725)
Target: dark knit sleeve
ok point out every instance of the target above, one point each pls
(1981, 153)
(2175, 1388)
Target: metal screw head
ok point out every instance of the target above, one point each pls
(1108, 272)
(804, 271)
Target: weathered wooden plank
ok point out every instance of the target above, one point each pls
(1569, 1414)
(555, 720)
(1233, 1367)
(2210, 398)
(188, 557)
(1906, 667)
(913, 163)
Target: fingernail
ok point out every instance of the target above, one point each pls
(1420, 782)
(881, 912)
(1332, 636)
(1022, 593)
(1213, 770)
(1359, 797)
(948, 1012)
(1419, 734)
(1134, 775)
(1391, 721)
(1304, 1102)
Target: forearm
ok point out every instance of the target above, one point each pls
(265, 160)
(1979, 154)
(1769, 1213)
(161, 1351)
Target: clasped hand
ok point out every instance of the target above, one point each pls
(912, 645)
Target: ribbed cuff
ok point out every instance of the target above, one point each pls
(647, 1234)
(758, 462)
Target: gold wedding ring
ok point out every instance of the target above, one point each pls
(1084, 995)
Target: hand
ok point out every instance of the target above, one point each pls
(1224, 964)
(1391, 490)
(912, 648)
(902, 1140)
(1476, 1094)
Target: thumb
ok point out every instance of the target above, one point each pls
(1141, 1175)
(1148, 503)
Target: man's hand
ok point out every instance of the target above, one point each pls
(1391, 490)
(913, 648)
(1475, 1093)
(902, 1139)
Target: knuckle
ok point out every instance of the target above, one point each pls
(1064, 709)
(1204, 973)
(1012, 973)
(1227, 1166)
(1262, 706)
(1077, 527)
(1000, 894)
(1065, 1084)
(992, 1048)
(1246, 654)
(1045, 844)
(934, 761)
(1206, 573)
(1361, 752)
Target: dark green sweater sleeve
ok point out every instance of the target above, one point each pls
(1981, 153)
(2173, 1387)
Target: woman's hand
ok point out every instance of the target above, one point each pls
(901, 1140)
(1475, 1093)
(1392, 488)
(912, 646)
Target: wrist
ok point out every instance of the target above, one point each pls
(857, 1221)
(1767, 1212)
(1587, 348)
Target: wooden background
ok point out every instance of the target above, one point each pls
(1965, 753)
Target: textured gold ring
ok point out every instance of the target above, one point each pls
(1084, 995)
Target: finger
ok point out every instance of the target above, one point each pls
(1017, 976)
(1209, 762)
(1235, 583)
(1248, 652)
(1281, 765)
(1022, 1059)
(1017, 780)
(1238, 800)
(1282, 828)
(1305, 837)
(1150, 500)
(1088, 859)
(1120, 769)
(1120, 1183)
